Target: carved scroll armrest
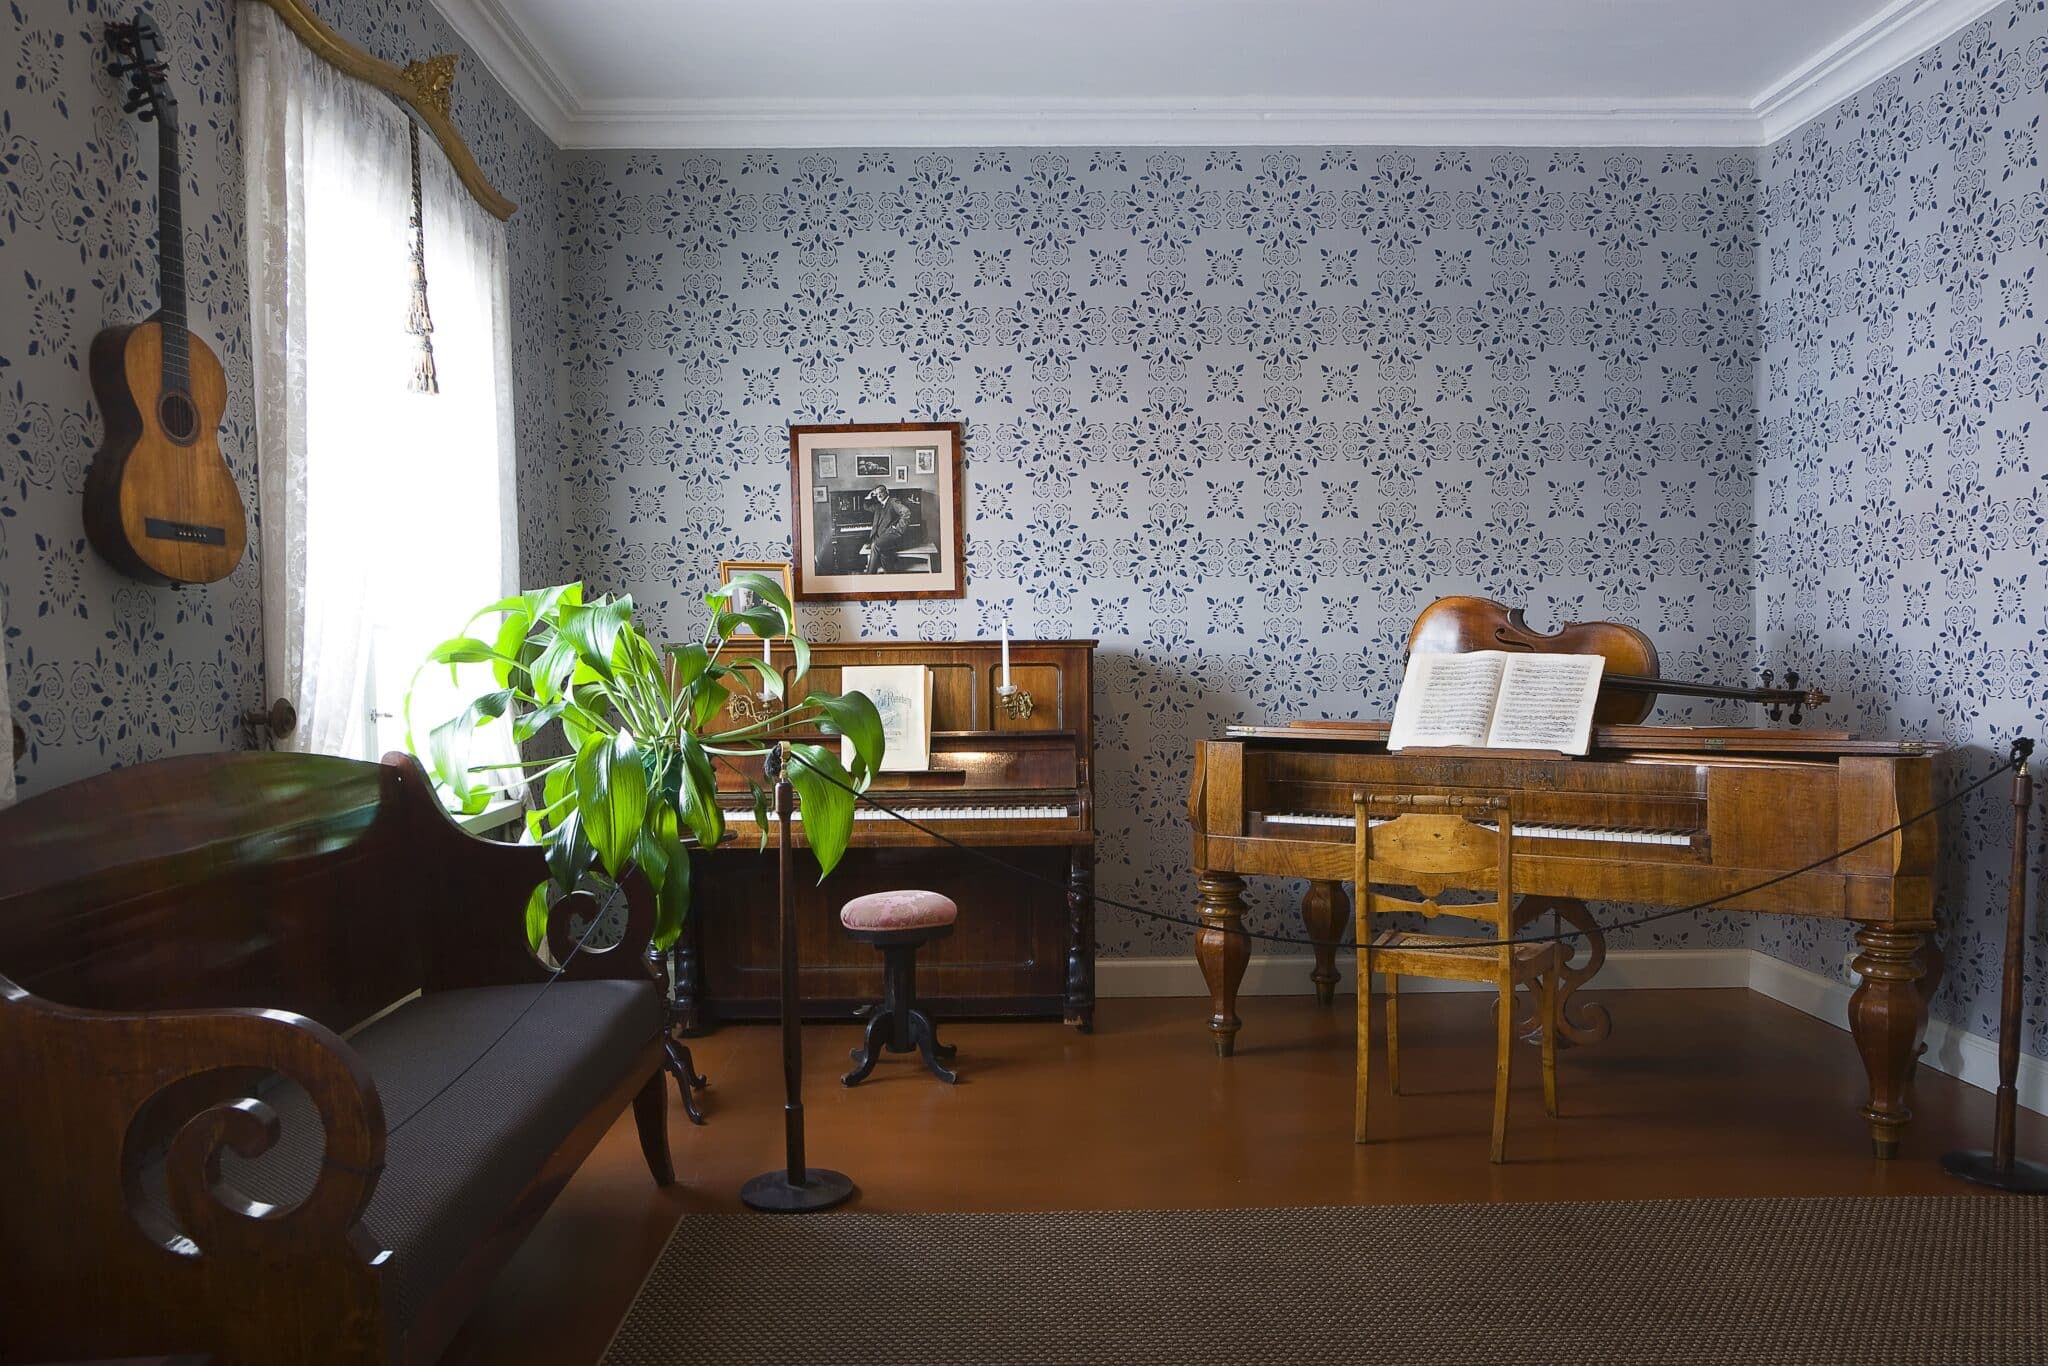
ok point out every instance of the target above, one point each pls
(185, 1080)
(625, 959)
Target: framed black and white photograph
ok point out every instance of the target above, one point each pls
(876, 511)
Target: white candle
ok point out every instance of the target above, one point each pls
(1006, 654)
(768, 651)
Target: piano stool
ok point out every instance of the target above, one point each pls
(898, 923)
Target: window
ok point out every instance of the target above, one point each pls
(388, 515)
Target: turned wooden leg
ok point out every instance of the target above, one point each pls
(1223, 951)
(1886, 1014)
(1080, 986)
(1325, 911)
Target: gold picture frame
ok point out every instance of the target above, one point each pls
(774, 569)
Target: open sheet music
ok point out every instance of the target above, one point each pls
(1499, 700)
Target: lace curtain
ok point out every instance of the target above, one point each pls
(387, 516)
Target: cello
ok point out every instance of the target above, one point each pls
(1630, 684)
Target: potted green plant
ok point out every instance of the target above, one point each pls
(639, 784)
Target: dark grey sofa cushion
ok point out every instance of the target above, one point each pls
(452, 1168)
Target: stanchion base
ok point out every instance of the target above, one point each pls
(773, 1192)
(2021, 1178)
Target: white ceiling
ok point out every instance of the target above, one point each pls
(740, 73)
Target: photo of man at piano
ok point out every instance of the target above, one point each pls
(876, 512)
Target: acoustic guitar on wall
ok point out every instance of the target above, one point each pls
(160, 502)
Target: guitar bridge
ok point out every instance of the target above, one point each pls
(192, 533)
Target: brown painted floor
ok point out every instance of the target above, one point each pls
(1698, 1093)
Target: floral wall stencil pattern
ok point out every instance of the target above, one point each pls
(103, 670)
(1902, 491)
(1239, 413)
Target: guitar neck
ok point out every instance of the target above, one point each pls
(170, 257)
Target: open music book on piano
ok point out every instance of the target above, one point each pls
(1495, 699)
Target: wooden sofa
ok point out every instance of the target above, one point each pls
(281, 1080)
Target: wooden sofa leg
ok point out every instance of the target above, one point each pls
(650, 1113)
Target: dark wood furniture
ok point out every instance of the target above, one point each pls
(898, 924)
(1434, 842)
(1021, 790)
(1652, 816)
(282, 1081)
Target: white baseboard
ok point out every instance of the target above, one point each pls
(1969, 1057)
(1274, 975)
(1966, 1056)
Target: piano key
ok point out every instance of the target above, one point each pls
(1534, 832)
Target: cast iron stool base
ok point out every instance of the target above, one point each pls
(898, 1026)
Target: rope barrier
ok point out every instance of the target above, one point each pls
(2020, 748)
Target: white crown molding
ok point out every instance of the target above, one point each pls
(510, 56)
(1898, 33)
(988, 121)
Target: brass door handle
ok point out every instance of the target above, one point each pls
(280, 719)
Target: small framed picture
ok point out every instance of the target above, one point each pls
(742, 600)
(888, 522)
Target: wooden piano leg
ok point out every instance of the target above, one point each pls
(1325, 914)
(1222, 950)
(1080, 1003)
(1578, 1022)
(1886, 1014)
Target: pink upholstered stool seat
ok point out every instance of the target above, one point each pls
(898, 911)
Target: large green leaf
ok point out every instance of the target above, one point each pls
(854, 716)
(569, 852)
(667, 865)
(698, 794)
(611, 797)
(462, 650)
(824, 793)
(762, 619)
(448, 744)
(593, 632)
(537, 914)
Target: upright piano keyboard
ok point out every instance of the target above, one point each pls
(1020, 788)
(1653, 816)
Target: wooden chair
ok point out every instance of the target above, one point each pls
(1433, 842)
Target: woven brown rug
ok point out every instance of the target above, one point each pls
(1911, 1279)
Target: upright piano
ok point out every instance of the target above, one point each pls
(1018, 788)
(1652, 816)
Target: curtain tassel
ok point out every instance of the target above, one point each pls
(419, 318)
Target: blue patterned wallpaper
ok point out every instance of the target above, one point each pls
(105, 671)
(1900, 495)
(1239, 413)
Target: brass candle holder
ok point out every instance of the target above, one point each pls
(1015, 702)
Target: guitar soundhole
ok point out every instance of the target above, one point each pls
(178, 417)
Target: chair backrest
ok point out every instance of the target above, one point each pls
(1435, 842)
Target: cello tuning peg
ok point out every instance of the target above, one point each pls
(1767, 675)
(1791, 678)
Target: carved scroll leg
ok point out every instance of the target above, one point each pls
(1580, 1022)
(1223, 951)
(1886, 1014)
(1325, 912)
(1080, 985)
